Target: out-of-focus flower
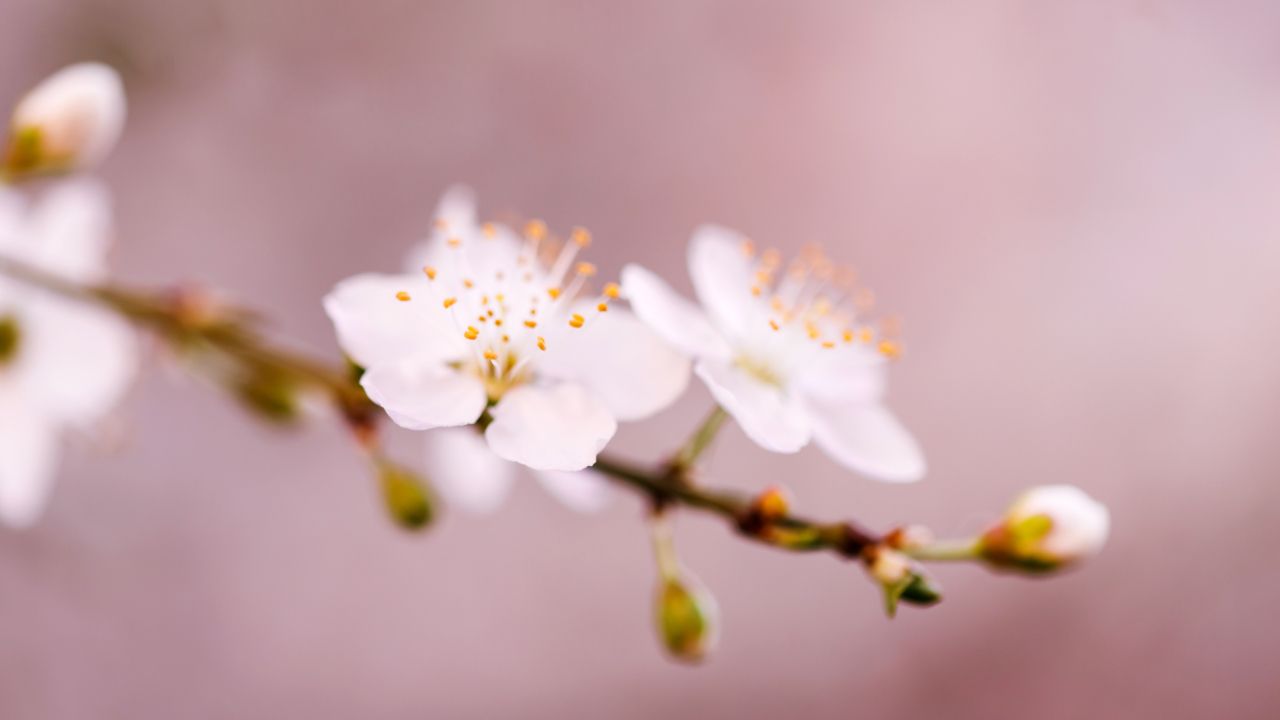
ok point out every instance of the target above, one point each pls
(1047, 528)
(783, 350)
(63, 364)
(69, 121)
(492, 321)
(471, 477)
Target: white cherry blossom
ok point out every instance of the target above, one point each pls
(63, 364)
(785, 350)
(494, 326)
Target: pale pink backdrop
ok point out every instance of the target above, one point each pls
(1073, 206)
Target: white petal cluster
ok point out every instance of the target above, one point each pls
(63, 364)
(493, 326)
(1051, 525)
(785, 351)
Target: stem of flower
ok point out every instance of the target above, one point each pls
(698, 442)
(946, 551)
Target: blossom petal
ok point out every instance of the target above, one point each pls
(560, 427)
(27, 457)
(467, 472)
(375, 327)
(848, 373)
(584, 491)
(767, 414)
(422, 394)
(722, 278)
(867, 438)
(678, 321)
(76, 361)
(70, 230)
(621, 360)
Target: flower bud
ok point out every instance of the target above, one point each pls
(407, 497)
(901, 579)
(1045, 529)
(10, 339)
(69, 121)
(688, 619)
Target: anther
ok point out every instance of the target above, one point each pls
(489, 230)
(586, 269)
(542, 343)
(889, 349)
(535, 230)
(455, 242)
(490, 355)
(554, 292)
(472, 332)
(531, 324)
(430, 271)
(449, 302)
(576, 321)
(602, 307)
(580, 236)
(403, 296)
(612, 291)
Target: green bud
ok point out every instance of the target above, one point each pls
(272, 398)
(10, 339)
(687, 619)
(900, 579)
(407, 496)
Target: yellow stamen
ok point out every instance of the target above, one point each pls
(889, 349)
(448, 302)
(603, 307)
(542, 343)
(554, 292)
(468, 284)
(531, 324)
(612, 291)
(535, 230)
(490, 355)
(586, 269)
(774, 324)
(472, 333)
(580, 236)
(430, 271)
(455, 242)
(403, 296)
(489, 230)
(576, 321)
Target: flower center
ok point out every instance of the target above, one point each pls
(10, 339)
(817, 300)
(506, 295)
(758, 370)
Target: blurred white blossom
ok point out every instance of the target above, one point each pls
(471, 477)
(69, 121)
(1048, 527)
(487, 320)
(784, 351)
(63, 364)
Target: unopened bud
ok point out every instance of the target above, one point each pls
(909, 537)
(901, 579)
(1045, 529)
(407, 497)
(270, 397)
(69, 121)
(10, 339)
(688, 619)
(773, 503)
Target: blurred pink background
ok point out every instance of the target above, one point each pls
(1071, 204)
